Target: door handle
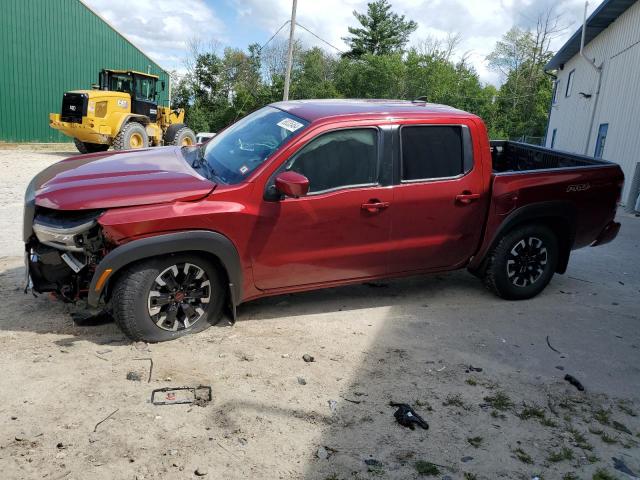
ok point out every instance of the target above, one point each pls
(466, 198)
(374, 206)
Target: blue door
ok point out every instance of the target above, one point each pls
(602, 138)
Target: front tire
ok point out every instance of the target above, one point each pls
(179, 135)
(86, 147)
(161, 299)
(522, 263)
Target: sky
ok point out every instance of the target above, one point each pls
(164, 28)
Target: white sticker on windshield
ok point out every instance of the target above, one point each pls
(244, 169)
(290, 124)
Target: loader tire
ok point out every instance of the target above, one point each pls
(179, 135)
(86, 147)
(131, 136)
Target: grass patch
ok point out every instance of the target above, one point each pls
(595, 431)
(523, 456)
(561, 455)
(470, 476)
(602, 416)
(471, 381)
(606, 438)
(580, 439)
(570, 476)
(496, 414)
(475, 441)
(499, 401)
(602, 474)
(592, 458)
(454, 401)
(532, 411)
(426, 468)
(548, 422)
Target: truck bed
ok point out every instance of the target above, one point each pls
(516, 157)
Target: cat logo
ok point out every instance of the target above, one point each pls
(578, 188)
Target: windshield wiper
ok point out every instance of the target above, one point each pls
(201, 163)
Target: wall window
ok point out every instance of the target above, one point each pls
(553, 137)
(431, 152)
(601, 140)
(556, 88)
(567, 92)
(338, 159)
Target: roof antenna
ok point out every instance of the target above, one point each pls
(422, 99)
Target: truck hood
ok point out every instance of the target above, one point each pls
(119, 179)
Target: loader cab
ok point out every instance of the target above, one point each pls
(140, 86)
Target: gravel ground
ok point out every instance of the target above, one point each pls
(274, 415)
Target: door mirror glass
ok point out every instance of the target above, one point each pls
(292, 184)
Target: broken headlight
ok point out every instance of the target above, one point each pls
(64, 230)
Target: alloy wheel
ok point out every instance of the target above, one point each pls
(527, 261)
(179, 296)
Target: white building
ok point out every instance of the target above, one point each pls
(596, 101)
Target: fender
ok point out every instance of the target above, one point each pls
(549, 212)
(212, 243)
(125, 117)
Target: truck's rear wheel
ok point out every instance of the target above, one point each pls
(131, 136)
(180, 135)
(522, 263)
(86, 147)
(160, 299)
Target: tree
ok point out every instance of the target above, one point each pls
(382, 32)
(520, 57)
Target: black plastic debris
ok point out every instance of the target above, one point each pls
(574, 381)
(471, 368)
(619, 465)
(308, 358)
(407, 417)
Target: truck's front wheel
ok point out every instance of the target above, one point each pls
(522, 263)
(160, 299)
(131, 136)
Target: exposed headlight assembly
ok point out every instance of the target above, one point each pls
(63, 230)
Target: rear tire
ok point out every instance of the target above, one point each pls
(522, 263)
(131, 136)
(179, 135)
(164, 298)
(86, 147)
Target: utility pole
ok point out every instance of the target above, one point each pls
(292, 27)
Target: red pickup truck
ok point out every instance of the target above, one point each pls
(303, 195)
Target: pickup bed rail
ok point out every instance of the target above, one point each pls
(514, 157)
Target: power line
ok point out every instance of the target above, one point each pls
(319, 38)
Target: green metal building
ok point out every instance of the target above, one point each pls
(48, 47)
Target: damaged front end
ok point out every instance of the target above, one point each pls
(62, 250)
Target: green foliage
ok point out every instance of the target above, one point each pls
(382, 32)
(221, 87)
(563, 454)
(426, 468)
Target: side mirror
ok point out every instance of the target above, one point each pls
(292, 184)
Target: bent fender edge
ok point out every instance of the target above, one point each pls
(194, 240)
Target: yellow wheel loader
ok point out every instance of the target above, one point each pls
(120, 112)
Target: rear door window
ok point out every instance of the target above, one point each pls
(431, 152)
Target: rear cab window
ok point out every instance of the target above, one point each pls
(431, 152)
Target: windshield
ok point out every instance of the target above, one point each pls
(119, 82)
(244, 146)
